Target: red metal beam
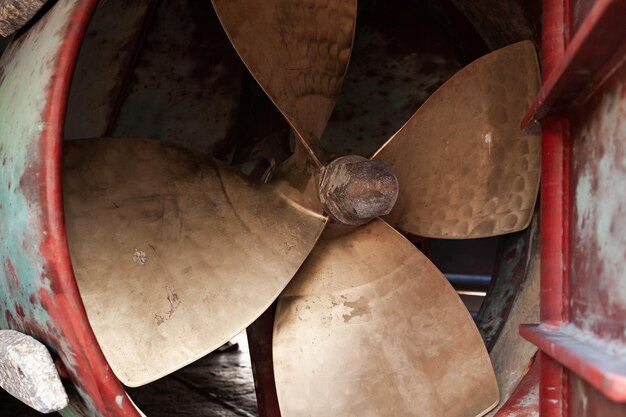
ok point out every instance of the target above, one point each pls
(554, 218)
(554, 249)
(593, 361)
(595, 52)
(554, 211)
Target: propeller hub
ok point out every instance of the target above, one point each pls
(355, 190)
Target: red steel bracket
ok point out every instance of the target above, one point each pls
(592, 360)
(594, 53)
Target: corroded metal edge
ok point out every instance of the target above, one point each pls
(39, 293)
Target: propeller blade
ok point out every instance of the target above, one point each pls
(465, 168)
(298, 52)
(175, 255)
(370, 327)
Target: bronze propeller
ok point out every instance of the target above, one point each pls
(175, 253)
(369, 326)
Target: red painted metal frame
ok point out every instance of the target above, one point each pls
(573, 72)
(554, 249)
(590, 59)
(554, 211)
(93, 388)
(67, 309)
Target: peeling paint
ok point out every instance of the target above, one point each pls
(610, 347)
(599, 217)
(598, 236)
(43, 300)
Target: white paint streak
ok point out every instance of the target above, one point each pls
(488, 137)
(530, 400)
(582, 394)
(600, 197)
(589, 338)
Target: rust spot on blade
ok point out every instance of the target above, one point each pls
(174, 300)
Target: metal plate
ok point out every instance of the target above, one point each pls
(370, 327)
(186, 85)
(106, 55)
(465, 168)
(174, 255)
(298, 53)
(512, 356)
(401, 55)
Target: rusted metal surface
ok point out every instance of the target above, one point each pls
(500, 23)
(260, 127)
(462, 36)
(597, 296)
(578, 10)
(524, 402)
(14, 14)
(510, 354)
(354, 189)
(598, 217)
(400, 57)
(586, 401)
(38, 292)
(512, 273)
(186, 84)
(106, 56)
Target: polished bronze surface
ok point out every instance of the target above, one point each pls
(355, 189)
(298, 52)
(465, 168)
(174, 254)
(369, 327)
